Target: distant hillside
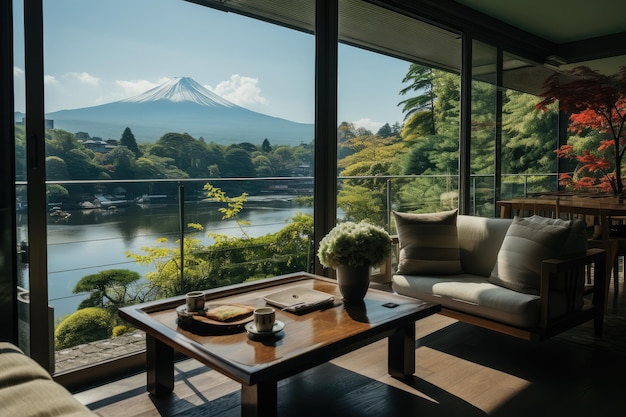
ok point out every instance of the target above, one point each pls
(181, 105)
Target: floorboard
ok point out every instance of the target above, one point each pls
(461, 370)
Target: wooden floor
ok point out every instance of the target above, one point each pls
(461, 371)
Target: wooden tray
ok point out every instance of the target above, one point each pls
(198, 318)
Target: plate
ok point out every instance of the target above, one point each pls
(278, 327)
(199, 317)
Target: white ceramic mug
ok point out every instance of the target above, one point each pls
(195, 301)
(264, 318)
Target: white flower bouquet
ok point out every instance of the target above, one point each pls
(354, 244)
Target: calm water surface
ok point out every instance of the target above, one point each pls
(90, 241)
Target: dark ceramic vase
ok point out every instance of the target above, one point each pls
(353, 282)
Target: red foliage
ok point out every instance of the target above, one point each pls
(594, 101)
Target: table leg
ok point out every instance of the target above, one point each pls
(401, 352)
(260, 400)
(160, 364)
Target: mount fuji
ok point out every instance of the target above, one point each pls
(184, 106)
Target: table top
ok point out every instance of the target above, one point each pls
(308, 340)
(583, 203)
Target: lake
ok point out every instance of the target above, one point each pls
(90, 241)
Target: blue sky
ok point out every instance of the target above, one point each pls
(103, 51)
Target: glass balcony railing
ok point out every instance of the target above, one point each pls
(109, 241)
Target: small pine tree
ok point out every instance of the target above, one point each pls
(266, 145)
(385, 131)
(128, 140)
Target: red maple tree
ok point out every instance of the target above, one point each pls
(594, 101)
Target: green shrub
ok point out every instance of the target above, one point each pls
(122, 329)
(83, 326)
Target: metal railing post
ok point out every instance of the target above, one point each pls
(181, 226)
(388, 206)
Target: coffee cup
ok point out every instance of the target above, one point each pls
(264, 318)
(195, 301)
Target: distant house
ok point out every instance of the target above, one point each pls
(98, 145)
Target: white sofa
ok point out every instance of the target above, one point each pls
(471, 296)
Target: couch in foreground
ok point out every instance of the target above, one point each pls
(26, 389)
(525, 277)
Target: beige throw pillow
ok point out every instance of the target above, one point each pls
(525, 245)
(576, 243)
(429, 243)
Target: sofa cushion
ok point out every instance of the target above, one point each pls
(27, 390)
(574, 246)
(473, 295)
(576, 243)
(429, 243)
(525, 245)
(480, 239)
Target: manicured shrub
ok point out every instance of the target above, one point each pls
(83, 326)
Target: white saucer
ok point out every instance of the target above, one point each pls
(278, 327)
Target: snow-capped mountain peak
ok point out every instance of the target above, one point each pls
(181, 89)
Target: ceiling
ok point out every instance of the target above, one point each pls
(591, 33)
(537, 36)
(558, 21)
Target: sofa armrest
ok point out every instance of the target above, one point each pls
(568, 271)
(388, 268)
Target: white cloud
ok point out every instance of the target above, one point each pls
(18, 72)
(84, 77)
(134, 87)
(50, 80)
(368, 124)
(243, 91)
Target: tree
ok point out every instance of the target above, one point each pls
(122, 160)
(56, 192)
(79, 161)
(421, 79)
(431, 137)
(385, 131)
(238, 163)
(189, 155)
(528, 137)
(128, 140)
(266, 147)
(108, 289)
(262, 166)
(230, 259)
(594, 101)
(56, 169)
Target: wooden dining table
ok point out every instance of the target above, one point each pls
(603, 211)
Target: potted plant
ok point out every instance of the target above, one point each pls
(352, 249)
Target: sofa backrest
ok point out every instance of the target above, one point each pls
(480, 239)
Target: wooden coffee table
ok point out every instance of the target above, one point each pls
(307, 340)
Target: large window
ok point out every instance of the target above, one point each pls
(160, 98)
(398, 101)
(142, 111)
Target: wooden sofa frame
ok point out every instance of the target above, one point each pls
(551, 270)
